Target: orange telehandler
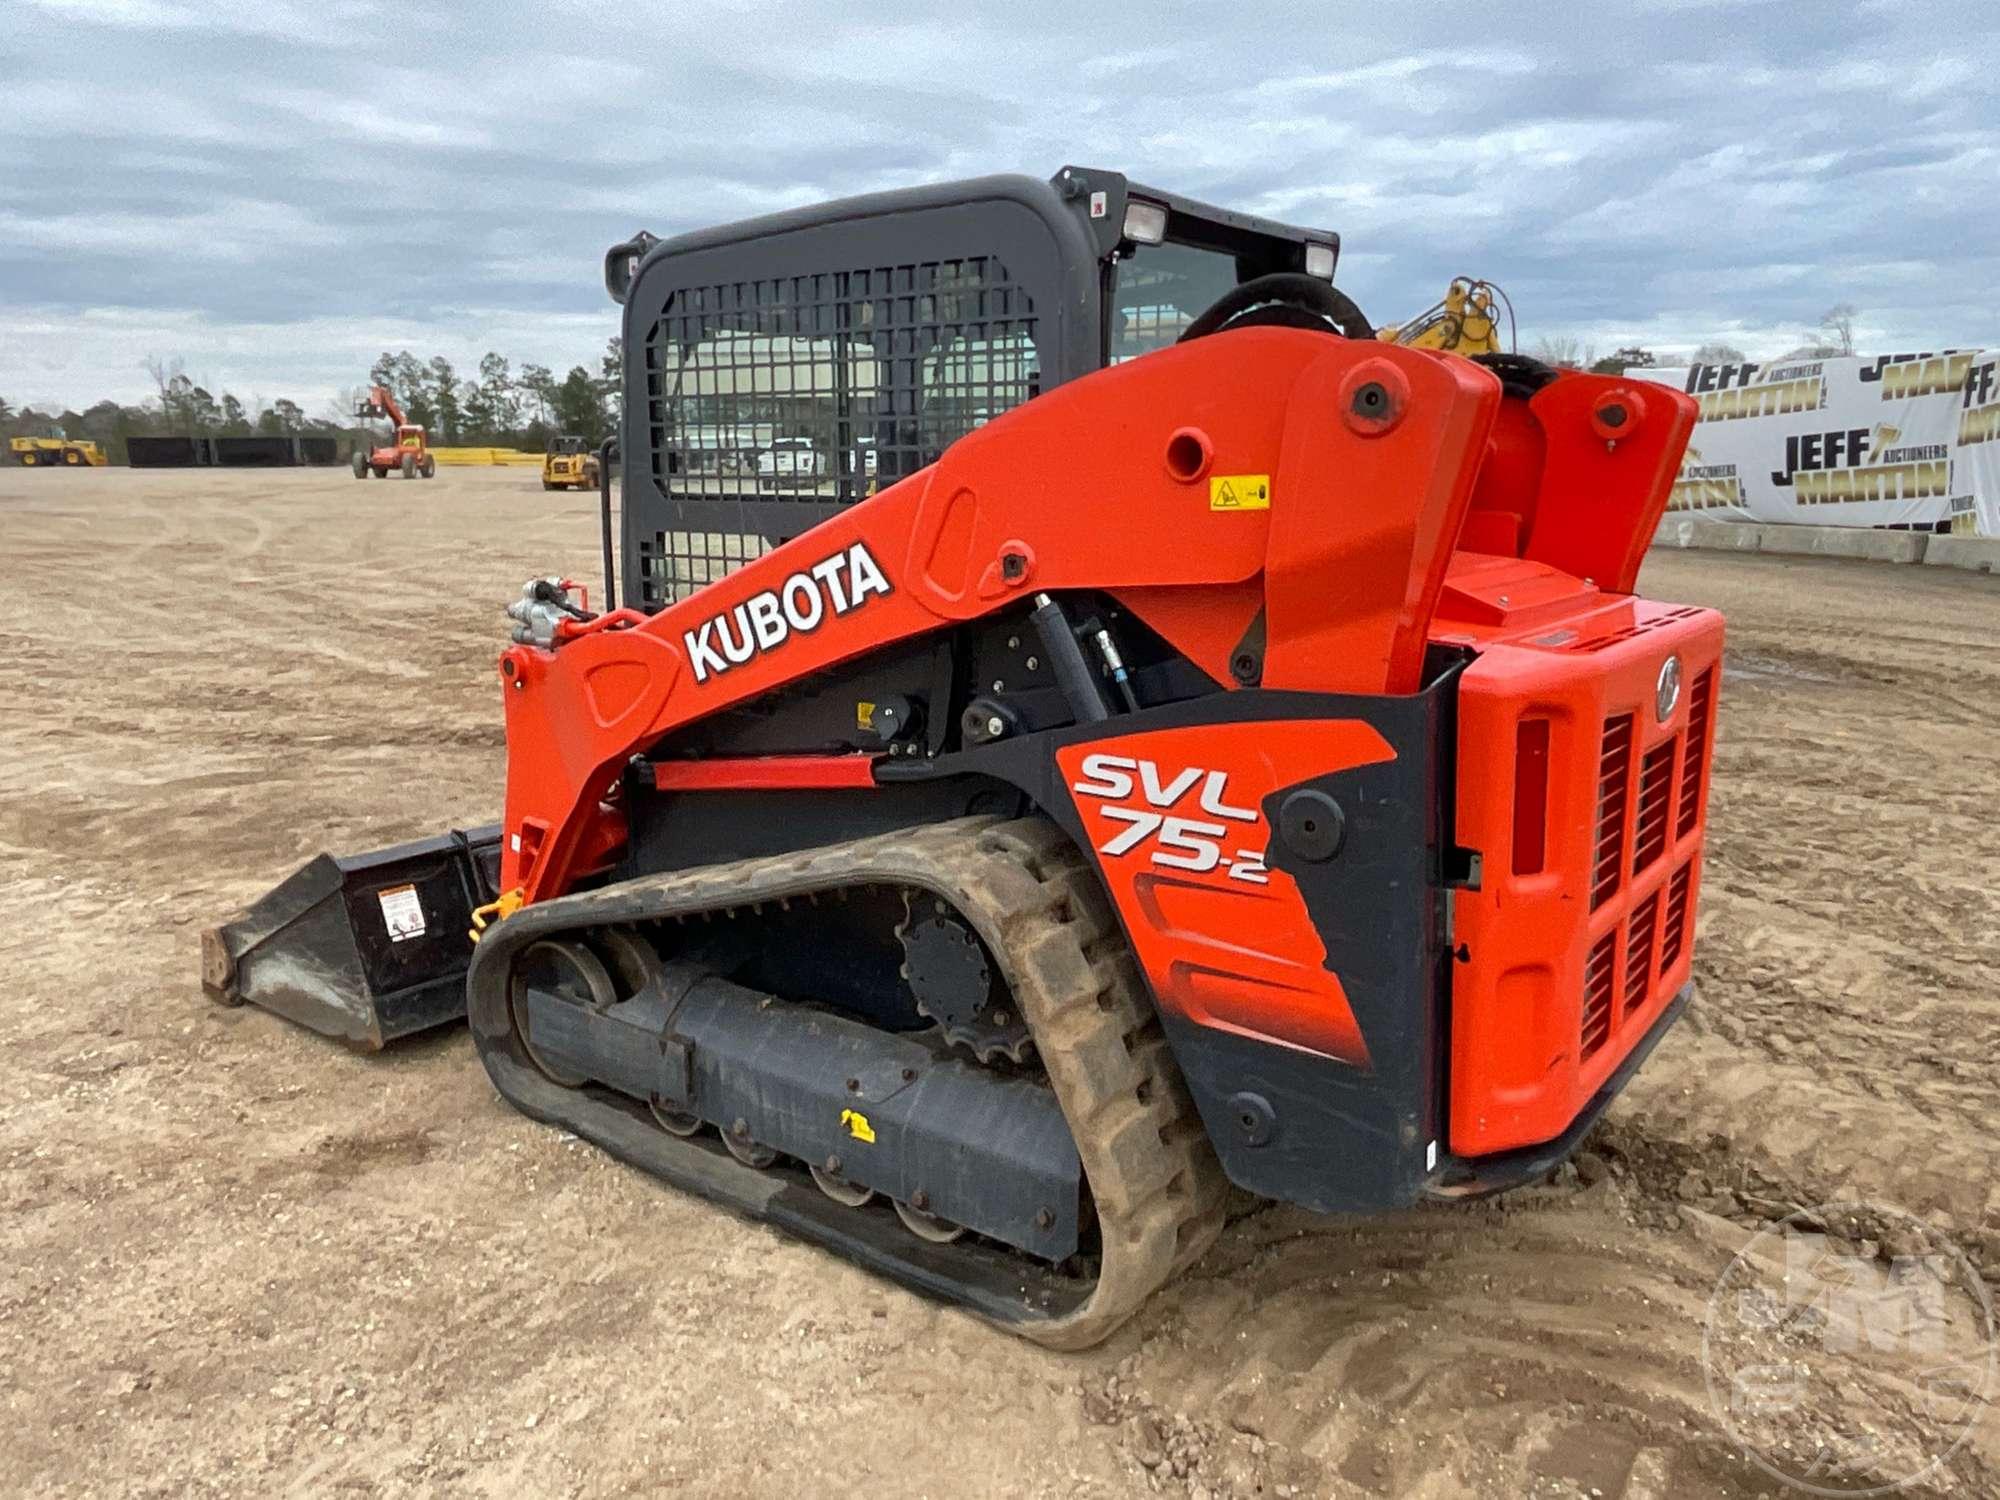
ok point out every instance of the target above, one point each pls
(409, 455)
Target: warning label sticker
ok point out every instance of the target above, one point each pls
(402, 912)
(1239, 492)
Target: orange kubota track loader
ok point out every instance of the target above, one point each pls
(1164, 748)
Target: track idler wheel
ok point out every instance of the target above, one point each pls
(635, 963)
(566, 969)
(629, 958)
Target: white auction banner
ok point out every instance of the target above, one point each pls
(1978, 455)
(1855, 441)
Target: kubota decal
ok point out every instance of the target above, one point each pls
(831, 587)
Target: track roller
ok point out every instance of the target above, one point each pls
(745, 1150)
(928, 1226)
(841, 1191)
(674, 1121)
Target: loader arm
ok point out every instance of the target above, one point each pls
(1138, 481)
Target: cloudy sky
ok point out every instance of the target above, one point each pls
(277, 191)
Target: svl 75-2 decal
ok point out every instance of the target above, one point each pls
(1160, 824)
(1175, 819)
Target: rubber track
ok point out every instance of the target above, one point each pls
(1158, 1188)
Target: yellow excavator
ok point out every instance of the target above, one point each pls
(52, 447)
(1466, 320)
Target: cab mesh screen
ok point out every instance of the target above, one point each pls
(771, 403)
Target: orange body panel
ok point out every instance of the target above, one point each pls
(1565, 964)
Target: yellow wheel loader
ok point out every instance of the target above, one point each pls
(52, 448)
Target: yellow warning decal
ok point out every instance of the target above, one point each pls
(1239, 492)
(857, 1125)
(864, 714)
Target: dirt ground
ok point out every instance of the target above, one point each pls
(235, 1258)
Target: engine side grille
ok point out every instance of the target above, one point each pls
(1675, 931)
(1701, 698)
(1656, 794)
(1639, 952)
(1597, 994)
(1641, 813)
(1614, 775)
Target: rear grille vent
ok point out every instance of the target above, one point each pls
(1639, 952)
(1649, 803)
(1656, 794)
(1597, 986)
(1614, 775)
(1675, 931)
(1700, 697)
(1599, 643)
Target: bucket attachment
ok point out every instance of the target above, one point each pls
(365, 947)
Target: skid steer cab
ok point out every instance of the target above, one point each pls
(1165, 738)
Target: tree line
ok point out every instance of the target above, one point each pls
(504, 406)
(501, 406)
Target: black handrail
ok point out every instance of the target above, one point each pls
(606, 452)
